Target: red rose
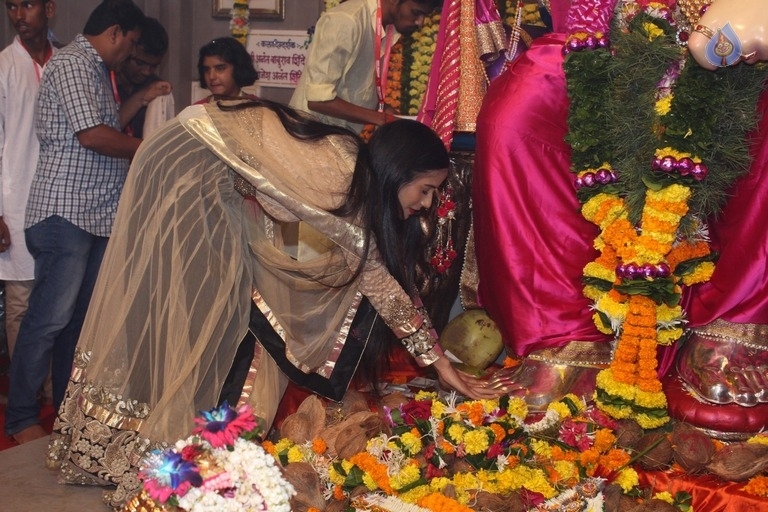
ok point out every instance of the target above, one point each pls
(433, 471)
(189, 452)
(416, 410)
(495, 450)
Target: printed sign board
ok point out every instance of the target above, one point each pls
(279, 56)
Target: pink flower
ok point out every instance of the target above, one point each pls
(221, 426)
(433, 471)
(167, 474)
(219, 482)
(576, 434)
(495, 450)
(599, 417)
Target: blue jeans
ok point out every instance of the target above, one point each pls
(67, 261)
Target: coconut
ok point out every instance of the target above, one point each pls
(313, 407)
(449, 491)
(474, 338)
(358, 491)
(351, 435)
(656, 451)
(691, 448)
(337, 506)
(393, 400)
(353, 401)
(613, 496)
(628, 433)
(614, 499)
(489, 502)
(297, 427)
(306, 481)
(739, 461)
(306, 423)
(460, 465)
(351, 440)
(367, 418)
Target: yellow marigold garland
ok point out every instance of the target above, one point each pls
(508, 453)
(646, 256)
(421, 49)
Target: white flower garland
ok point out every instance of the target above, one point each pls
(256, 482)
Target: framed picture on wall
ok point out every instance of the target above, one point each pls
(260, 9)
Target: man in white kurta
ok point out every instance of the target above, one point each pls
(21, 66)
(338, 83)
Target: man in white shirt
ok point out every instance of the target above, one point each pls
(21, 66)
(341, 82)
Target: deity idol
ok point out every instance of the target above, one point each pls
(533, 246)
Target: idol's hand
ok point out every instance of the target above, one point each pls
(729, 32)
(463, 383)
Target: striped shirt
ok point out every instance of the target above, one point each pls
(76, 183)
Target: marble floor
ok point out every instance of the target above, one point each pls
(26, 485)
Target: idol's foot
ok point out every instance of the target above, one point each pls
(724, 371)
(540, 383)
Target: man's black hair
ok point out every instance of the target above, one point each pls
(124, 13)
(154, 38)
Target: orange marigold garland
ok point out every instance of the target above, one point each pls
(394, 80)
(647, 196)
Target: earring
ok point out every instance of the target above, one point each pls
(445, 252)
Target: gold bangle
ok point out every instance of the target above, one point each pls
(704, 30)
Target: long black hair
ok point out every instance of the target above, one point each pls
(397, 153)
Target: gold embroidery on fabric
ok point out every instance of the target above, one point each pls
(249, 160)
(399, 314)
(491, 38)
(243, 187)
(429, 357)
(753, 336)
(267, 311)
(472, 81)
(250, 120)
(421, 341)
(576, 353)
(95, 439)
(469, 277)
(112, 410)
(692, 9)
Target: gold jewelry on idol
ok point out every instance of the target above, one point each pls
(708, 32)
(692, 10)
